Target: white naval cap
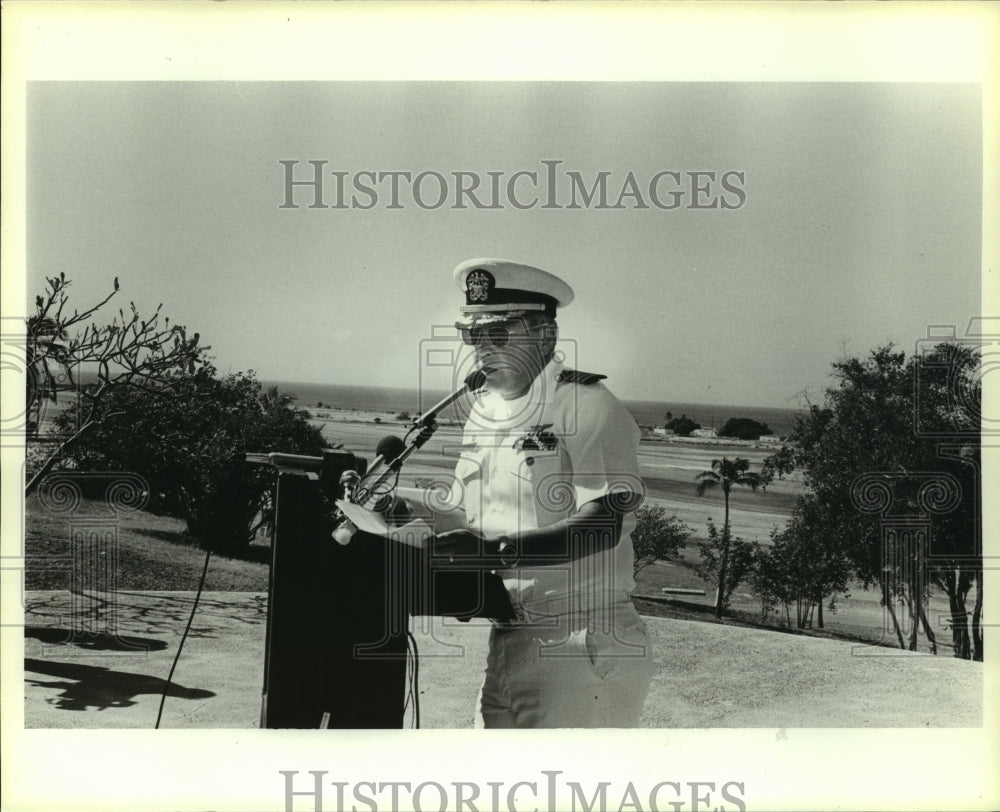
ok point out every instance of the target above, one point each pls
(498, 289)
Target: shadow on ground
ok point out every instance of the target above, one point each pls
(96, 662)
(91, 641)
(82, 687)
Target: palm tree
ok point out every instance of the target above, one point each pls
(273, 397)
(726, 473)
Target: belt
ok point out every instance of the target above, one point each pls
(554, 611)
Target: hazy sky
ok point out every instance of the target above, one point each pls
(861, 221)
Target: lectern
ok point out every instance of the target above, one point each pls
(338, 615)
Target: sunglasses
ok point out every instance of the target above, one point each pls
(499, 335)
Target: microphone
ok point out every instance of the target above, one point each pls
(393, 452)
(387, 453)
(474, 381)
(388, 449)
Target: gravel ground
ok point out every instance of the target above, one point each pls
(707, 675)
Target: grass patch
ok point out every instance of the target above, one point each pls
(859, 617)
(153, 552)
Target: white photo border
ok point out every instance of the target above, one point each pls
(228, 769)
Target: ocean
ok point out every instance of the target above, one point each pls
(646, 413)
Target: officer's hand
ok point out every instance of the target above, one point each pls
(453, 545)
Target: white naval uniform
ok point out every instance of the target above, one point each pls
(578, 656)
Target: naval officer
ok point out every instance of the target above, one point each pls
(548, 478)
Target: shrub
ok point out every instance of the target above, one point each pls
(743, 428)
(725, 561)
(682, 426)
(189, 441)
(656, 536)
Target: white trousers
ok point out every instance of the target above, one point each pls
(590, 670)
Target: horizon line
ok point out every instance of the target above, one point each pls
(620, 397)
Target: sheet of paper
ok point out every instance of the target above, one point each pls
(364, 520)
(415, 533)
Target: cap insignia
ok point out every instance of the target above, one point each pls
(479, 284)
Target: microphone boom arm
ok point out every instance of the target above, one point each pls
(364, 491)
(426, 424)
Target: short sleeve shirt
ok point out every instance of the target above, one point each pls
(533, 461)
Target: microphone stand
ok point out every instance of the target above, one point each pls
(364, 491)
(427, 424)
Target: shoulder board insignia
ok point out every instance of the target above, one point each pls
(585, 378)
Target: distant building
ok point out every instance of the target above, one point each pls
(771, 439)
(704, 433)
(663, 432)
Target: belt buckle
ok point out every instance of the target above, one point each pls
(520, 618)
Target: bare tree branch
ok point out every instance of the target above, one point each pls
(131, 350)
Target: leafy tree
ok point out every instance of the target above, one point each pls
(192, 450)
(899, 423)
(656, 536)
(682, 426)
(803, 565)
(725, 474)
(771, 579)
(743, 428)
(725, 562)
(132, 351)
